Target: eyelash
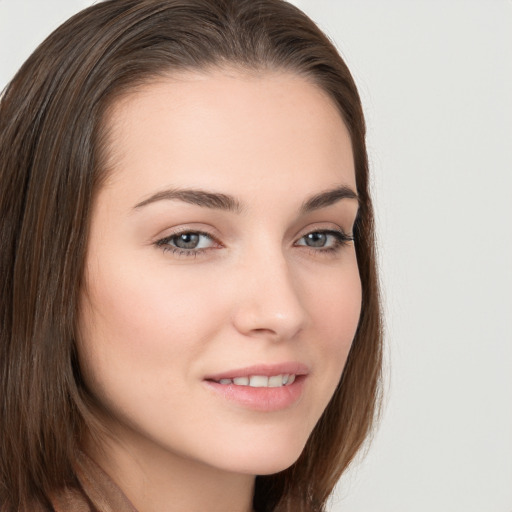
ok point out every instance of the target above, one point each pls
(341, 239)
(164, 244)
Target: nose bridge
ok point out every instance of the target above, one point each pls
(269, 299)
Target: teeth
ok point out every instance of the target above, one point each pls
(258, 381)
(275, 382)
(261, 381)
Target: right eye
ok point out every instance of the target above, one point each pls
(187, 242)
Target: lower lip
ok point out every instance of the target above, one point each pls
(261, 399)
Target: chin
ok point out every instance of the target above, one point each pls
(267, 458)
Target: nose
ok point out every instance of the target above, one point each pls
(269, 303)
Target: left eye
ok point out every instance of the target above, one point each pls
(323, 239)
(191, 240)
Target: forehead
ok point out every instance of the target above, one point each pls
(224, 124)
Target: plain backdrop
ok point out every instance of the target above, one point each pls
(436, 82)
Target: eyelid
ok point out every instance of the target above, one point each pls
(340, 234)
(340, 240)
(163, 242)
(193, 227)
(325, 227)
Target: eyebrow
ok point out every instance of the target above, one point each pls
(328, 198)
(202, 198)
(219, 201)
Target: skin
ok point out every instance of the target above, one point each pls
(154, 323)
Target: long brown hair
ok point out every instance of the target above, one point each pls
(52, 155)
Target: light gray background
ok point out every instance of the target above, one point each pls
(436, 82)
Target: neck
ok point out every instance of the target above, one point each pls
(155, 480)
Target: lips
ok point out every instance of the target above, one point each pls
(263, 388)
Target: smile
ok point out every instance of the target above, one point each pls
(261, 381)
(261, 387)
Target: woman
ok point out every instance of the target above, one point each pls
(190, 315)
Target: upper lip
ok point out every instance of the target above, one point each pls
(267, 370)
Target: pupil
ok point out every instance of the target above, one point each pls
(187, 241)
(316, 239)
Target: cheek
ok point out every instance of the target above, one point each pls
(140, 325)
(335, 309)
(141, 337)
(336, 303)
(145, 306)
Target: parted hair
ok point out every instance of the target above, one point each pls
(53, 149)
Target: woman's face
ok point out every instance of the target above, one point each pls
(220, 268)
